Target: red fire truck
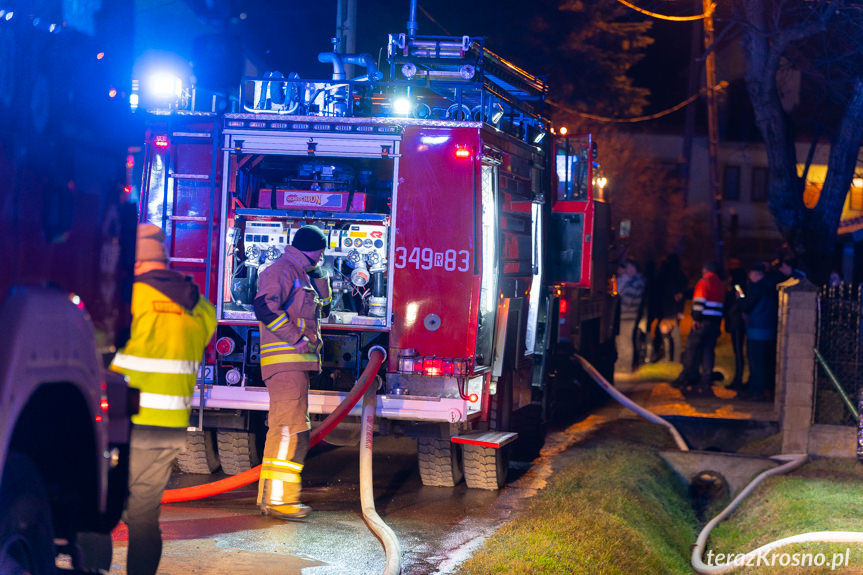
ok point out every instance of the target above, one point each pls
(464, 237)
(66, 261)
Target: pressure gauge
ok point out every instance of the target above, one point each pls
(273, 253)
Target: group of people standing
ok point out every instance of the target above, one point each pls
(746, 303)
(651, 308)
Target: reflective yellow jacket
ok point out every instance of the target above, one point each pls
(171, 326)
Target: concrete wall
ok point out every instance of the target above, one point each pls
(796, 377)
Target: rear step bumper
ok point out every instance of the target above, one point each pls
(493, 439)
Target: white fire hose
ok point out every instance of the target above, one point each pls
(382, 531)
(793, 462)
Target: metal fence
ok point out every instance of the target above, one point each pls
(840, 330)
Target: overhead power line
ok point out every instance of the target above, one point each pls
(706, 14)
(634, 120)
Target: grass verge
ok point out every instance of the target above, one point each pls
(614, 507)
(823, 495)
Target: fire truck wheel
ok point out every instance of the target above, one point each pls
(485, 467)
(439, 462)
(200, 454)
(238, 451)
(26, 528)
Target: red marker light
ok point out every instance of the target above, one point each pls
(225, 346)
(98, 418)
(462, 152)
(473, 398)
(161, 141)
(104, 404)
(564, 304)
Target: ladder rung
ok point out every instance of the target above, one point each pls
(202, 177)
(207, 135)
(189, 218)
(188, 260)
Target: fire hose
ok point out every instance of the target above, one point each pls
(793, 462)
(376, 359)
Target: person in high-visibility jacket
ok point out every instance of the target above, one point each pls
(288, 307)
(708, 300)
(171, 326)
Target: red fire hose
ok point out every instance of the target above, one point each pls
(377, 355)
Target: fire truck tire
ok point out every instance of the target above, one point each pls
(485, 467)
(238, 451)
(439, 462)
(200, 453)
(26, 527)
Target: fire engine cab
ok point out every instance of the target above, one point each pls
(464, 237)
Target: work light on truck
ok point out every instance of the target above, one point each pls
(433, 366)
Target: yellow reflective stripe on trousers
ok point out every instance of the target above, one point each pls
(277, 475)
(280, 463)
(156, 365)
(289, 358)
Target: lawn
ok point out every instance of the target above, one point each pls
(615, 507)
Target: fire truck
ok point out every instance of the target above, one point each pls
(465, 237)
(67, 258)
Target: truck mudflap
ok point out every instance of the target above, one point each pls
(413, 408)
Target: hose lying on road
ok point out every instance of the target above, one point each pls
(376, 358)
(391, 544)
(740, 560)
(628, 403)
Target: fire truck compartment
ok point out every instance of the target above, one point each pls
(445, 409)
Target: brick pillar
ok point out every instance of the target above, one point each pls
(795, 362)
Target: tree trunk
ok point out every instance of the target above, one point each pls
(819, 227)
(785, 191)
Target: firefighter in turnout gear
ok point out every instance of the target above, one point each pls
(707, 303)
(288, 307)
(171, 326)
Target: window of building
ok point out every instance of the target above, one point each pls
(731, 183)
(855, 200)
(759, 185)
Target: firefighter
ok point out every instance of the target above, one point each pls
(707, 303)
(288, 307)
(171, 326)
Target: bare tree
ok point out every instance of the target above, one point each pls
(820, 38)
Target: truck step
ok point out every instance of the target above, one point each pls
(493, 439)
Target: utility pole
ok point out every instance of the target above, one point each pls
(712, 133)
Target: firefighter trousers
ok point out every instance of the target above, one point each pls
(151, 457)
(287, 439)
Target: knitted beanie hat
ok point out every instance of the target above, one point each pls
(309, 239)
(150, 246)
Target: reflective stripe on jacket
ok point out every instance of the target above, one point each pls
(287, 307)
(708, 298)
(163, 353)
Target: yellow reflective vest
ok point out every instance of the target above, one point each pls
(165, 347)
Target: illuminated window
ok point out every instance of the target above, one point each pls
(855, 198)
(758, 193)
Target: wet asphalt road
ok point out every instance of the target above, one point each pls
(438, 527)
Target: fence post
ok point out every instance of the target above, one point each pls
(795, 362)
